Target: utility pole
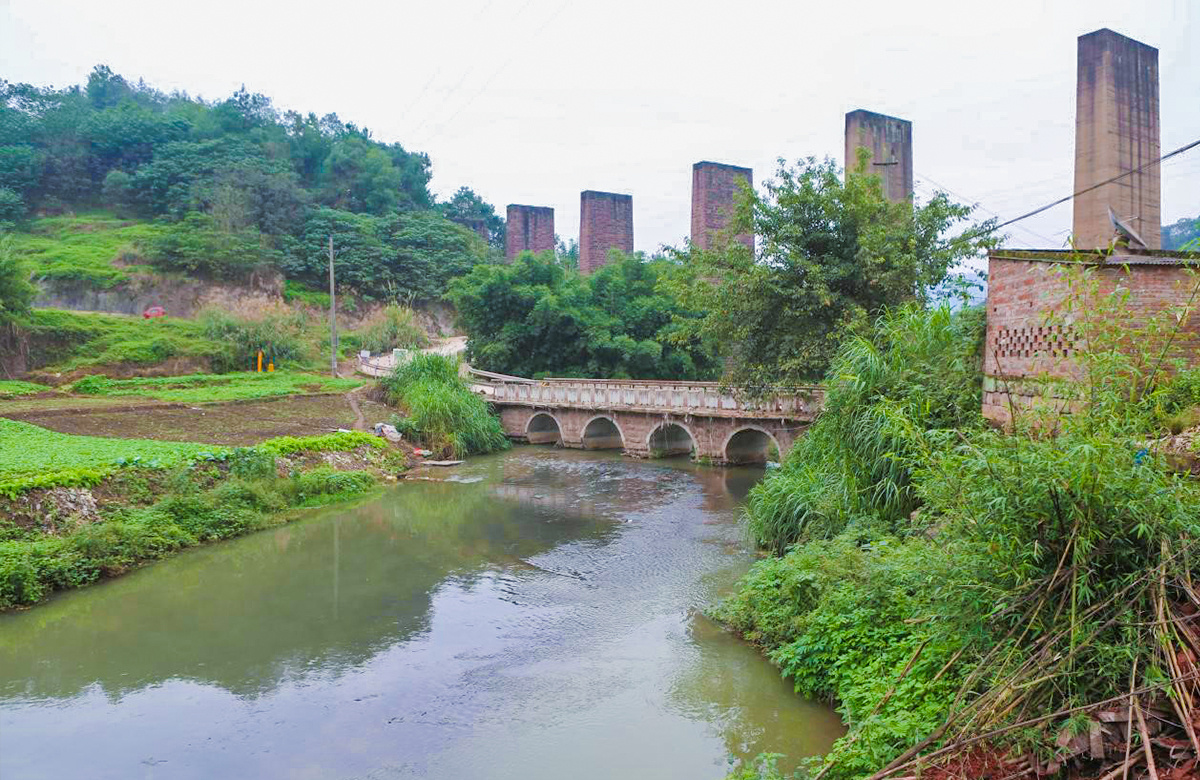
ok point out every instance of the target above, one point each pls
(333, 340)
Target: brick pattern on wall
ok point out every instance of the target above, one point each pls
(1022, 343)
(528, 229)
(605, 222)
(714, 189)
(1116, 130)
(890, 142)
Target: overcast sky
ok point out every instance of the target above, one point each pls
(532, 101)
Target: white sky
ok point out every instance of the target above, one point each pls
(532, 101)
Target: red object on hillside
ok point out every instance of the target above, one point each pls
(154, 311)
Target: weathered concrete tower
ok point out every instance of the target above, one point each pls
(889, 140)
(714, 188)
(605, 222)
(528, 229)
(1116, 130)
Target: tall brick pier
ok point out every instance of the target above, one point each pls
(714, 190)
(528, 229)
(1116, 130)
(889, 140)
(605, 222)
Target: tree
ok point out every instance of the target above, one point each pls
(537, 318)
(106, 89)
(467, 208)
(16, 291)
(832, 254)
(12, 208)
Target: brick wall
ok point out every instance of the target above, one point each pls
(605, 222)
(528, 229)
(1021, 345)
(890, 142)
(1116, 130)
(714, 188)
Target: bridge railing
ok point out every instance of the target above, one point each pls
(676, 397)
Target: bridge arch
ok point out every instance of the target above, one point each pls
(602, 433)
(543, 428)
(671, 438)
(750, 444)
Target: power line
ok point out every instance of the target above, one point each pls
(495, 74)
(1118, 177)
(979, 203)
(458, 85)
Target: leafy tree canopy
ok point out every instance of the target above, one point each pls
(831, 254)
(467, 208)
(536, 318)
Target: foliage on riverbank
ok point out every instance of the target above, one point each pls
(535, 318)
(441, 412)
(924, 367)
(81, 508)
(961, 582)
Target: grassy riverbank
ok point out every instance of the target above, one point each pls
(967, 595)
(77, 509)
(440, 411)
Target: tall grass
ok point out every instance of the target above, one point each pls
(393, 327)
(925, 364)
(442, 412)
(279, 335)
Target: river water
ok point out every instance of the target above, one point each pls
(527, 615)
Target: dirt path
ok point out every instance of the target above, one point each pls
(360, 421)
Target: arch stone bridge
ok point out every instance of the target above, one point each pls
(650, 418)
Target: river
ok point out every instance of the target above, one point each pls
(527, 615)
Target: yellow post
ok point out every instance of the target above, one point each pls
(271, 367)
(260, 361)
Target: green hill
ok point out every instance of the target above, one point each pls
(110, 177)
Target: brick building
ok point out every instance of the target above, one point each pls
(528, 229)
(714, 190)
(1030, 338)
(605, 222)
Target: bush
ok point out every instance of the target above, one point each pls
(442, 412)
(326, 484)
(923, 367)
(393, 327)
(279, 336)
(196, 245)
(12, 207)
(339, 441)
(16, 291)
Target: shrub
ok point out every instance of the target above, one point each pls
(339, 441)
(442, 412)
(393, 327)
(12, 207)
(326, 484)
(921, 366)
(279, 336)
(16, 291)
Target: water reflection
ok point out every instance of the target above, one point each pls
(498, 620)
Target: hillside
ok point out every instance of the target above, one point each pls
(112, 180)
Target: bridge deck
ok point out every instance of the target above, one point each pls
(705, 399)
